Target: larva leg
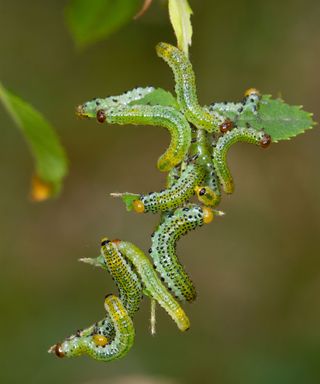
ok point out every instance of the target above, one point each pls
(186, 89)
(209, 192)
(163, 249)
(168, 199)
(93, 341)
(153, 286)
(248, 135)
(166, 117)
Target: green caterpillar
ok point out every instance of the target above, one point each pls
(93, 342)
(166, 117)
(248, 135)
(163, 248)
(186, 89)
(168, 199)
(200, 150)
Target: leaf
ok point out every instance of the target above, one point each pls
(49, 156)
(128, 199)
(158, 97)
(91, 21)
(180, 13)
(280, 120)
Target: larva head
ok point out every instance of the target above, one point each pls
(100, 340)
(206, 196)
(207, 215)
(138, 206)
(226, 126)
(104, 241)
(265, 141)
(251, 91)
(89, 108)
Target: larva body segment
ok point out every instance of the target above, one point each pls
(186, 89)
(124, 275)
(201, 149)
(93, 342)
(171, 198)
(163, 249)
(248, 135)
(156, 115)
(115, 101)
(153, 286)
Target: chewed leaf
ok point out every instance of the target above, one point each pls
(180, 13)
(90, 21)
(158, 97)
(280, 120)
(50, 158)
(128, 199)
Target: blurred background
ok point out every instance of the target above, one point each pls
(257, 270)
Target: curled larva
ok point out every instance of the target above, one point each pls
(163, 249)
(248, 135)
(168, 199)
(153, 286)
(166, 117)
(186, 89)
(93, 340)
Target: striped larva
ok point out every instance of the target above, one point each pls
(153, 285)
(163, 249)
(168, 199)
(93, 340)
(166, 117)
(185, 87)
(248, 135)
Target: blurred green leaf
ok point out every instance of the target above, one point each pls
(50, 158)
(280, 120)
(180, 13)
(158, 97)
(90, 21)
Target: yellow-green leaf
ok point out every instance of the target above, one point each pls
(49, 156)
(180, 13)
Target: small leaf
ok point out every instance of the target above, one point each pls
(50, 158)
(128, 199)
(90, 21)
(180, 13)
(158, 97)
(280, 120)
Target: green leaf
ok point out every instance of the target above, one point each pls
(49, 156)
(128, 199)
(280, 120)
(180, 13)
(158, 97)
(90, 21)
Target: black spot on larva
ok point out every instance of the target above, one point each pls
(104, 242)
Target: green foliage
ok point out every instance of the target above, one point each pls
(90, 21)
(180, 13)
(280, 120)
(50, 158)
(158, 97)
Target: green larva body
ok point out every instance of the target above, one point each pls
(83, 343)
(186, 89)
(171, 198)
(163, 249)
(248, 135)
(152, 283)
(166, 117)
(201, 149)
(124, 275)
